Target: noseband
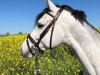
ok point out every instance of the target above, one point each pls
(52, 24)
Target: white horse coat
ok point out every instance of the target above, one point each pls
(73, 29)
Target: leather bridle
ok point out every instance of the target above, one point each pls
(52, 24)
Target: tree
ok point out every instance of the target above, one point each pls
(7, 34)
(20, 33)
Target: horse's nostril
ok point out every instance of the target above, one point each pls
(22, 53)
(25, 56)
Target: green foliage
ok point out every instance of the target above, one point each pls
(58, 61)
(7, 34)
(20, 33)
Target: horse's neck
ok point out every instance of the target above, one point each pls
(85, 35)
(93, 32)
(85, 41)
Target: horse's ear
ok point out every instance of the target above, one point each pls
(51, 6)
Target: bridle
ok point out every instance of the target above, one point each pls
(52, 24)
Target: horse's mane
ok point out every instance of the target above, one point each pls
(79, 15)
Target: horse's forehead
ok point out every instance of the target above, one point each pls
(45, 18)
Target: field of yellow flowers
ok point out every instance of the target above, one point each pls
(59, 61)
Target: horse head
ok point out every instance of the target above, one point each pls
(51, 27)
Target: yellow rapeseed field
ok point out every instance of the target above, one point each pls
(59, 61)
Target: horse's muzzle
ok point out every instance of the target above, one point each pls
(24, 55)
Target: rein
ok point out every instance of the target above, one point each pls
(36, 44)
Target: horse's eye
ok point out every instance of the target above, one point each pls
(40, 25)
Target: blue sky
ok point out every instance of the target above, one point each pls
(19, 15)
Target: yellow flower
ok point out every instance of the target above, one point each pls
(3, 74)
(12, 69)
(17, 74)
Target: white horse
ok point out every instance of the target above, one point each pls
(71, 28)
